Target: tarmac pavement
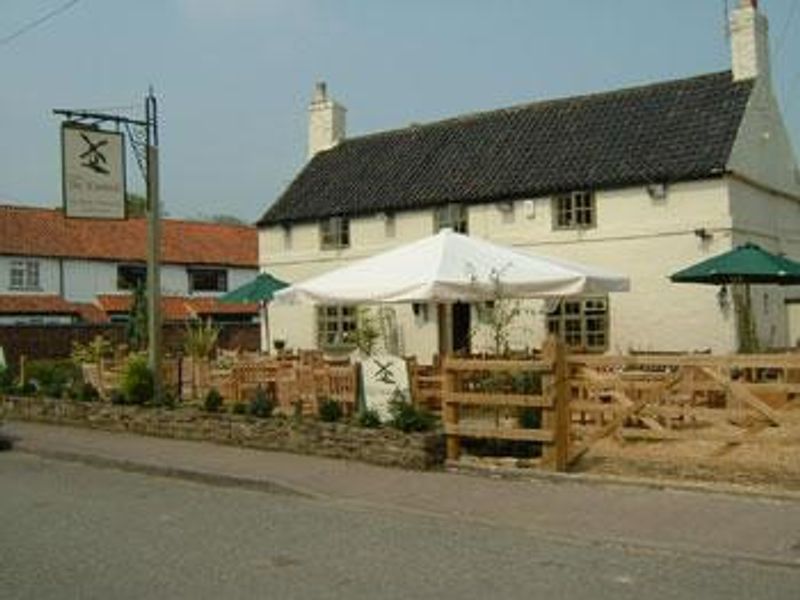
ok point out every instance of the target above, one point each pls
(733, 526)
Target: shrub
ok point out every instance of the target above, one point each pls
(369, 418)
(117, 397)
(90, 352)
(137, 381)
(168, 400)
(330, 410)
(85, 392)
(262, 405)
(24, 389)
(239, 408)
(52, 377)
(6, 379)
(530, 418)
(407, 418)
(213, 401)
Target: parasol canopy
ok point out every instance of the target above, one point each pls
(748, 263)
(451, 267)
(260, 289)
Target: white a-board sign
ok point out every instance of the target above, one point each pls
(93, 180)
(384, 378)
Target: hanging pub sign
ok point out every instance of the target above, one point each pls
(93, 165)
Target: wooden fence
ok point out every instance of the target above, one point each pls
(725, 399)
(582, 399)
(508, 400)
(296, 383)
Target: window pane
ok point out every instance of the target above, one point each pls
(131, 276)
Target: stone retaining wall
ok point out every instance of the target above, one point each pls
(383, 446)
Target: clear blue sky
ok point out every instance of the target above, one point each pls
(234, 77)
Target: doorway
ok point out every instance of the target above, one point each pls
(462, 314)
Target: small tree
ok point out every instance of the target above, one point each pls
(136, 329)
(200, 339)
(367, 332)
(137, 381)
(499, 316)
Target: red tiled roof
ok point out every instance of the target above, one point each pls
(29, 231)
(178, 308)
(28, 304)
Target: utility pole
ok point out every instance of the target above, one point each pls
(153, 246)
(143, 137)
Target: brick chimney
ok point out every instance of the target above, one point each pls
(326, 121)
(749, 42)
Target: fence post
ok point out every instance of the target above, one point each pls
(557, 417)
(451, 412)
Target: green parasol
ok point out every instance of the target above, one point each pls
(261, 290)
(741, 267)
(745, 264)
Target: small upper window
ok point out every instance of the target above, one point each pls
(453, 216)
(24, 275)
(574, 211)
(334, 233)
(208, 280)
(130, 277)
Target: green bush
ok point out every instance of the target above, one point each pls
(239, 408)
(369, 418)
(213, 401)
(407, 418)
(52, 377)
(530, 418)
(137, 381)
(330, 410)
(6, 379)
(262, 405)
(117, 397)
(85, 392)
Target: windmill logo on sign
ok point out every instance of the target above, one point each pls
(93, 157)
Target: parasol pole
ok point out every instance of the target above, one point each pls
(263, 320)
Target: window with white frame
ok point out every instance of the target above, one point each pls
(581, 322)
(24, 275)
(335, 326)
(574, 211)
(453, 216)
(334, 233)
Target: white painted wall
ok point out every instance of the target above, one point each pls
(48, 276)
(644, 238)
(84, 280)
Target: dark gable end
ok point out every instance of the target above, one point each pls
(672, 131)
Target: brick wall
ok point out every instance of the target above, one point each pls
(55, 341)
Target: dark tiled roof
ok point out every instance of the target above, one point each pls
(671, 131)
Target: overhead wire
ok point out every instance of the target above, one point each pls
(36, 22)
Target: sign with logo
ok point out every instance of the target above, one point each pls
(385, 379)
(93, 163)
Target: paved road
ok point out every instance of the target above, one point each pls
(426, 533)
(71, 530)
